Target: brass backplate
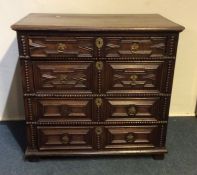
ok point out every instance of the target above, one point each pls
(65, 139)
(98, 130)
(98, 102)
(135, 46)
(130, 138)
(99, 65)
(132, 110)
(133, 79)
(61, 47)
(99, 42)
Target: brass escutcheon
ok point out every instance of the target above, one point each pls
(99, 65)
(61, 47)
(130, 138)
(98, 102)
(99, 42)
(98, 130)
(134, 46)
(132, 110)
(65, 139)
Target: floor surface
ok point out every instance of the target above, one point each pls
(181, 159)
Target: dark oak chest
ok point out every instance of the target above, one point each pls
(96, 84)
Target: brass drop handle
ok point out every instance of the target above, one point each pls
(65, 139)
(99, 42)
(132, 110)
(98, 130)
(134, 47)
(61, 47)
(130, 138)
(133, 79)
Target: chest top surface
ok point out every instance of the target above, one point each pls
(102, 22)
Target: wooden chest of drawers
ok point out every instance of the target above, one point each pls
(96, 84)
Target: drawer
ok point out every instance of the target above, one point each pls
(137, 76)
(135, 46)
(82, 138)
(100, 45)
(136, 109)
(98, 76)
(62, 109)
(131, 137)
(65, 138)
(60, 46)
(78, 77)
(91, 109)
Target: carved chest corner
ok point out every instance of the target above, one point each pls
(94, 85)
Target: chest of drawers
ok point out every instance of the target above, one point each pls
(96, 84)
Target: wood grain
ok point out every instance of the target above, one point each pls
(84, 22)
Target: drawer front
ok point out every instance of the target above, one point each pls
(135, 46)
(100, 45)
(64, 76)
(136, 109)
(91, 109)
(99, 137)
(65, 138)
(54, 46)
(135, 76)
(131, 137)
(71, 109)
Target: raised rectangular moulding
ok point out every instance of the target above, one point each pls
(55, 46)
(138, 76)
(65, 138)
(63, 109)
(133, 137)
(65, 77)
(135, 109)
(136, 46)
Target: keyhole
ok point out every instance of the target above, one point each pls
(99, 42)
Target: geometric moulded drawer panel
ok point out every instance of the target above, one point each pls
(63, 76)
